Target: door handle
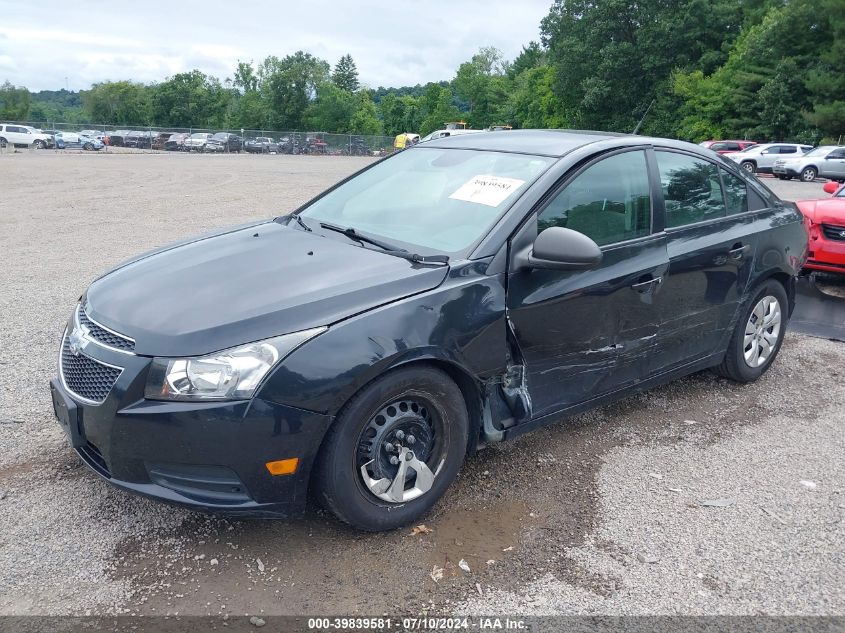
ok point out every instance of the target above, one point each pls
(645, 286)
(738, 252)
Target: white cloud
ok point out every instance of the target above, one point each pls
(393, 43)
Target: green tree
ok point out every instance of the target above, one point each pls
(365, 119)
(14, 102)
(612, 58)
(481, 83)
(289, 85)
(345, 75)
(826, 83)
(438, 109)
(118, 102)
(332, 110)
(245, 78)
(191, 99)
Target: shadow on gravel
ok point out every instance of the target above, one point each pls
(820, 307)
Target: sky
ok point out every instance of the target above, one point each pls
(52, 44)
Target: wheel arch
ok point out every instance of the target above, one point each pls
(469, 385)
(785, 279)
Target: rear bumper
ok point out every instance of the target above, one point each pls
(206, 456)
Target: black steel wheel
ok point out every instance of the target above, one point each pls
(394, 449)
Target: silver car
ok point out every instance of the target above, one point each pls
(761, 158)
(827, 161)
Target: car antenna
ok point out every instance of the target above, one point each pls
(645, 114)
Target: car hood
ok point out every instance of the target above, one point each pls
(247, 284)
(824, 210)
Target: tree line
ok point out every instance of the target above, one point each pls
(691, 69)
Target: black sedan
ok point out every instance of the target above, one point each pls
(450, 296)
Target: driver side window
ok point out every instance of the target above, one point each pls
(608, 202)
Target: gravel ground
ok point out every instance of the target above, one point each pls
(601, 513)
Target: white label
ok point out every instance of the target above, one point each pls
(487, 189)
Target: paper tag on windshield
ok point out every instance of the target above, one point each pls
(487, 189)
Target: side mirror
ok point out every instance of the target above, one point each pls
(831, 187)
(563, 249)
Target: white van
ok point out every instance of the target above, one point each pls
(23, 135)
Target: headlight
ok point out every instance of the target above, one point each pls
(231, 374)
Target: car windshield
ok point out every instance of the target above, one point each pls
(752, 149)
(199, 135)
(821, 151)
(437, 199)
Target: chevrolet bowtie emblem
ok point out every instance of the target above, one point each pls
(78, 340)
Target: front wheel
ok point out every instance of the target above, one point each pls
(39, 144)
(749, 167)
(88, 147)
(758, 336)
(809, 174)
(394, 450)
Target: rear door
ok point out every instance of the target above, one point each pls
(711, 241)
(583, 333)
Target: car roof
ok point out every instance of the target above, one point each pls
(555, 143)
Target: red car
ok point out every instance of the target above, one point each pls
(825, 220)
(723, 147)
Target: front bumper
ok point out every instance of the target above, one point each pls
(826, 255)
(208, 456)
(785, 170)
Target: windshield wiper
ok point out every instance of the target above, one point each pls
(390, 249)
(301, 222)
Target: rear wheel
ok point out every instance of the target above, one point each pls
(809, 174)
(758, 336)
(394, 450)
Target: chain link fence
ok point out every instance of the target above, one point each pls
(202, 140)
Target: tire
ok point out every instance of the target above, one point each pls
(808, 174)
(39, 144)
(748, 166)
(88, 147)
(735, 366)
(358, 439)
(2, 142)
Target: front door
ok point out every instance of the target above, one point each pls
(583, 333)
(833, 165)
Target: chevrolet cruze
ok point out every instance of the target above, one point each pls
(453, 295)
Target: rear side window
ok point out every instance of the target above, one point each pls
(691, 189)
(608, 202)
(736, 193)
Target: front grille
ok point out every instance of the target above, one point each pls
(92, 455)
(100, 334)
(833, 232)
(85, 377)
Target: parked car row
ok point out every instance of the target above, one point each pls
(784, 160)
